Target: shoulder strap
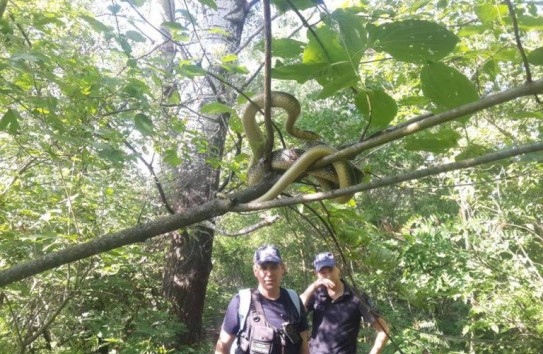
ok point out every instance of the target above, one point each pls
(245, 305)
(243, 309)
(295, 299)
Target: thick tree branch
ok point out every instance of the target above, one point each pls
(392, 180)
(219, 207)
(139, 233)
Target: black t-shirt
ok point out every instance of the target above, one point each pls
(276, 312)
(336, 323)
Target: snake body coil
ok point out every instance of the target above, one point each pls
(295, 162)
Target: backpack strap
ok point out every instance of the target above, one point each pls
(295, 299)
(244, 306)
(243, 312)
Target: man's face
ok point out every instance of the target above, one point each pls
(269, 274)
(331, 273)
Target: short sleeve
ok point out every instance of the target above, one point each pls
(231, 320)
(367, 309)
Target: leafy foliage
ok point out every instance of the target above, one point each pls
(454, 262)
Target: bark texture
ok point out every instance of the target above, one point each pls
(188, 260)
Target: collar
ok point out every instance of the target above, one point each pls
(323, 293)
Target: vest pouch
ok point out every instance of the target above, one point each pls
(242, 347)
(262, 339)
(241, 344)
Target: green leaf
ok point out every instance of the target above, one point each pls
(524, 114)
(529, 23)
(186, 68)
(229, 58)
(414, 41)
(31, 57)
(135, 36)
(354, 37)
(215, 108)
(326, 47)
(491, 68)
(362, 104)
(171, 158)
(95, 24)
(284, 47)
(174, 98)
(143, 124)
(379, 105)
(284, 5)
(127, 48)
(115, 8)
(173, 26)
(490, 12)
(111, 154)
(535, 57)
(209, 3)
(446, 86)
(9, 122)
(299, 72)
(136, 88)
(338, 76)
(233, 68)
(437, 142)
(235, 124)
(217, 30)
(413, 101)
(137, 3)
(383, 108)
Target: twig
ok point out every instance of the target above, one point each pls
(268, 220)
(310, 29)
(155, 178)
(519, 43)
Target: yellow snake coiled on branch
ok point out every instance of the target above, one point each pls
(295, 162)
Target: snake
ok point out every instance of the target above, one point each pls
(294, 163)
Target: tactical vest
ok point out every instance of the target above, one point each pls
(260, 337)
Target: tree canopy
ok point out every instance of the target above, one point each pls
(106, 106)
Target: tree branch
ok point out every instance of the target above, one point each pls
(513, 16)
(529, 88)
(392, 180)
(128, 236)
(268, 220)
(268, 147)
(217, 207)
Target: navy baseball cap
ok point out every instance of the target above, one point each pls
(267, 253)
(325, 259)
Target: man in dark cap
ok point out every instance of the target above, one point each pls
(337, 312)
(276, 324)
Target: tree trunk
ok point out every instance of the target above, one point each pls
(188, 260)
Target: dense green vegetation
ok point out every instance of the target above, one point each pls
(93, 123)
